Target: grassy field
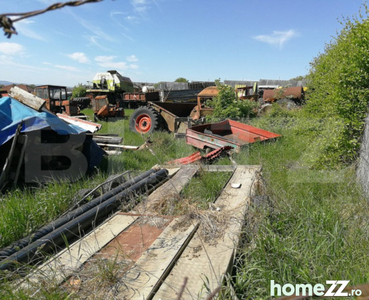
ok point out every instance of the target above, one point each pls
(313, 224)
(310, 225)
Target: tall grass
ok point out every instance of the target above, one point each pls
(314, 227)
(27, 209)
(204, 188)
(24, 210)
(310, 226)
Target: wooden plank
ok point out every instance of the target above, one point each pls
(27, 98)
(205, 262)
(147, 274)
(169, 190)
(65, 264)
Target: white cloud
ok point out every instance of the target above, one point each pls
(97, 32)
(140, 5)
(4, 60)
(11, 48)
(94, 40)
(132, 19)
(10, 62)
(132, 58)
(101, 59)
(108, 62)
(24, 28)
(68, 68)
(277, 38)
(80, 57)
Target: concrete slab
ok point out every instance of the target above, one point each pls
(205, 262)
(147, 274)
(66, 263)
(168, 191)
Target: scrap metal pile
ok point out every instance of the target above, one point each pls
(36, 145)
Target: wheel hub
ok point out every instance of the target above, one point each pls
(143, 123)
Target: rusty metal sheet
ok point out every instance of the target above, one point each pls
(228, 133)
(197, 156)
(147, 274)
(296, 92)
(186, 160)
(174, 114)
(87, 125)
(210, 91)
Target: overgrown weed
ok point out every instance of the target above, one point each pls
(316, 227)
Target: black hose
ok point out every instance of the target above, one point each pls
(9, 250)
(79, 225)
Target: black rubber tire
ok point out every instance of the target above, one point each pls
(144, 120)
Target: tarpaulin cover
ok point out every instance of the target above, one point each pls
(12, 113)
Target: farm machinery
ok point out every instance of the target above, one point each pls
(57, 99)
(177, 117)
(111, 92)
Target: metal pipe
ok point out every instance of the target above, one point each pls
(9, 250)
(78, 226)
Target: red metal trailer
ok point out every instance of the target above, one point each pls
(226, 133)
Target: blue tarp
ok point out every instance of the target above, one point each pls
(12, 113)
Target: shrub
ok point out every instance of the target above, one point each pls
(79, 91)
(339, 86)
(227, 105)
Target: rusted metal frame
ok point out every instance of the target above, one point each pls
(194, 157)
(237, 135)
(217, 152)
(187, 160)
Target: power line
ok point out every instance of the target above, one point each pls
(7, 24)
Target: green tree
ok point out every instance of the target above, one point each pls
(181, 79)
(227, 105)
(339, 86)
(298, 78)
(79, 91)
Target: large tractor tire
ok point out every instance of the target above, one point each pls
(144, 120)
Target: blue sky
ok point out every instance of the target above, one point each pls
(161, 40)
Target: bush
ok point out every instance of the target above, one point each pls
(227, 105)
(79, 91)
(339, 86)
